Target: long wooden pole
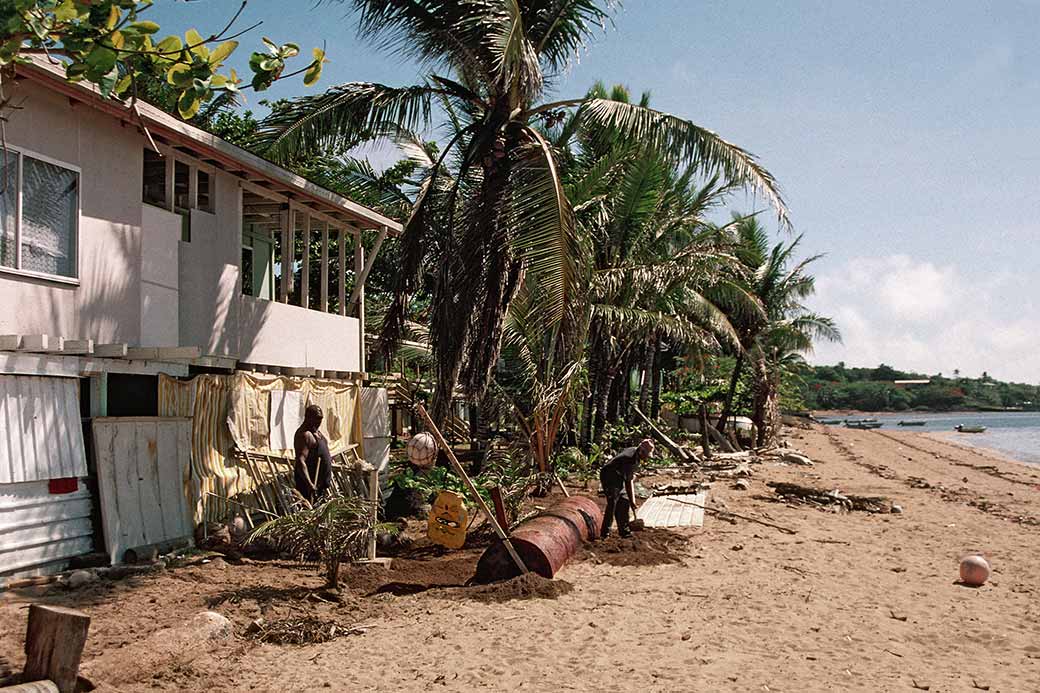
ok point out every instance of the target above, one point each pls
(472, 489)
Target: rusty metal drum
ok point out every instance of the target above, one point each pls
(545, 542)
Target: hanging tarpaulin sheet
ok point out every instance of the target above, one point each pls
(234, 411)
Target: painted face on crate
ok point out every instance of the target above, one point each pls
(448, 521)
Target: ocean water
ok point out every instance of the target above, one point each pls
(1016, 435)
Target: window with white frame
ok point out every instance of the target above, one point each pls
(39, 215)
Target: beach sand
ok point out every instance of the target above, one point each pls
(857, 601)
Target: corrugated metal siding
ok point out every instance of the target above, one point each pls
(37, 528)
(40, 433)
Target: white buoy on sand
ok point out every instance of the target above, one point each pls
(974, 570)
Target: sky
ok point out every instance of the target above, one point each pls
(905, 136)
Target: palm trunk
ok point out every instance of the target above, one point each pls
(727, 406)
(649, 355)
(602, 399)
(655, 385)
(767, 405)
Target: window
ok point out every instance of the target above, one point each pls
(192, 188)
(39, 215)
(258, 278)
(154, 178)
(205, 193)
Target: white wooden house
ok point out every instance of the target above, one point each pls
(131, 245)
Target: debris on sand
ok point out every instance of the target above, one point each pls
(796, 493)
(305, 630)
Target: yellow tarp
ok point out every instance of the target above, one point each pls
(232, 411)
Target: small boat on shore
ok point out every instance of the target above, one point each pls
(912, 423)
(832, 422)
(864, 425)
(961, 428)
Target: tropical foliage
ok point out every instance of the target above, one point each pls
(330, 533)
(113, 45)
(493, 214)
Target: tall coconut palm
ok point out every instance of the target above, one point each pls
(785, 326)
(489, 65)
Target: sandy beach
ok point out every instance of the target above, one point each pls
(852, 601)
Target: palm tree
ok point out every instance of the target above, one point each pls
(506, 214)
(783, 328)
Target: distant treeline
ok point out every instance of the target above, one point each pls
(874, 389)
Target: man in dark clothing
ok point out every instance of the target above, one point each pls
(313, 469)
(617, 478)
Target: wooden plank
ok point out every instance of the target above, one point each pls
(41, 343)
(145, 493)
(143, 353)
(173, 439)
(110, 351)
(178, 352)
(10, 342)
(54, 641)
(59, 366)
(359, 281)
(78, 346)
(298, 372)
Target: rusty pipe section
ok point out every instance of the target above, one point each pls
(545, 542)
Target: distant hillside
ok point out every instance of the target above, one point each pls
(875, 389)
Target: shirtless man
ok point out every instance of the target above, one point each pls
(313, 468)
(617, 478)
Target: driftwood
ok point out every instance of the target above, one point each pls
(673, 447)
(814, 496)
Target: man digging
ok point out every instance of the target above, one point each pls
(313, 469)
(617, 478)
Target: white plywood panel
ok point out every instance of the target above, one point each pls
(671, 511)
(40, 433)
(143, 475)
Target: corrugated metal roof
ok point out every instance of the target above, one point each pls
(40, 432)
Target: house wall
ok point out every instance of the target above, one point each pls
(106, 305)
(138, 282)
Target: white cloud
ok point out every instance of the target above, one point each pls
(915, 315)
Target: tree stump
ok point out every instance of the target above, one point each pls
(54, 642)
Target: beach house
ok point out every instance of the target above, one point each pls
(165, 298)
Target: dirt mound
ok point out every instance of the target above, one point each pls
(648, 547)
(412, 575)
(529, 586)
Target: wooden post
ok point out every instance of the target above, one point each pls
(373, 497)
(285, 220)
(54, 641)
(500, 507)
(359, 291)
(325, 267)
(472, 489)
(305, 273)
(343, 271)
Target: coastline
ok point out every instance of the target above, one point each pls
(950, 437)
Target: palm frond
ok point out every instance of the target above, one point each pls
(687, 142)
(342, 116)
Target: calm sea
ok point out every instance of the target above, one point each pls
(1016, 435)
